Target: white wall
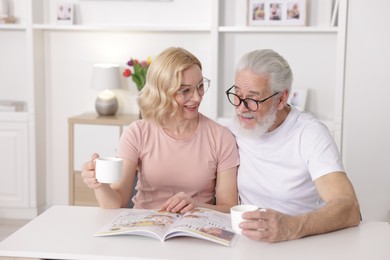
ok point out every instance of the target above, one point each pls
(366, 138)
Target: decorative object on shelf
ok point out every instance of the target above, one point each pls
(298, 98)
(4, 10)
(335, 13)
(65, 13)
(105, 76)
(281, 12)
(12, 106)
(138, 75)
(5, 16)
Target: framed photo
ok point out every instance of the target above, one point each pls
(297, 98)
(277, 12)
(65, 13)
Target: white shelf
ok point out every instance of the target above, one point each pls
(251, 29)
(13, 27)
(131, 28)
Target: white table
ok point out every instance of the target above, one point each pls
(66, 232)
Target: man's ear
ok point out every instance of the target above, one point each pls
(283, 99)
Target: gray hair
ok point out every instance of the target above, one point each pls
(270, 63)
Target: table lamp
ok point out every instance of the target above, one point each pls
(105, 76)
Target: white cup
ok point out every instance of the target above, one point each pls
(236, 215)
(108, 169)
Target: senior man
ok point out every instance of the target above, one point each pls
(289, 163)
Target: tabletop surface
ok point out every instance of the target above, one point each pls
(67, 232)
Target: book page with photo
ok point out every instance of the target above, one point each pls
(200, 223)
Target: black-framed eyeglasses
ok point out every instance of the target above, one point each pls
(187, 91)
(250, 103)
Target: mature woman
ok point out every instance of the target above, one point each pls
(184, 160)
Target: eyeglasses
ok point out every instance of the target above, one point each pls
(187, 91)
(250, 104)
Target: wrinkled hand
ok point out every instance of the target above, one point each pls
(179, 203)
(88, 173)
(269, 226)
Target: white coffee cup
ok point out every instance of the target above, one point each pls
(108, 169)
(236, 215)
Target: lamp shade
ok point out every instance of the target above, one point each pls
(105, 76)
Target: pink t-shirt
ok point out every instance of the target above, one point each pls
(167, 166)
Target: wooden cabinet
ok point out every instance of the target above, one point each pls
(14, 159)
(19, 194)
(89, 133)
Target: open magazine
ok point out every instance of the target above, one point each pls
(200, 223)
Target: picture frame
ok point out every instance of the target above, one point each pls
(297, 98)
(65, 13)
(276, 12)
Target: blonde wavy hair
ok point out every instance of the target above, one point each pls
(157, 99)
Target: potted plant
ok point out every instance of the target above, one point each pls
(137, 71)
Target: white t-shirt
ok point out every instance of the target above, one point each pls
(277, 170)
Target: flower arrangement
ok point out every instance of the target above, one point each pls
(138, 75)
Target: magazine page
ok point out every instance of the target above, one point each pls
(206, 224)
(152, 223)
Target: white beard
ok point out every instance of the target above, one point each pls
(261, 127)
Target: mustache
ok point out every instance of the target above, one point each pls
(248, 115)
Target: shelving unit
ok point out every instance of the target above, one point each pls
(253, 29)
(56, 62)
(12, 27)
(121, 28)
